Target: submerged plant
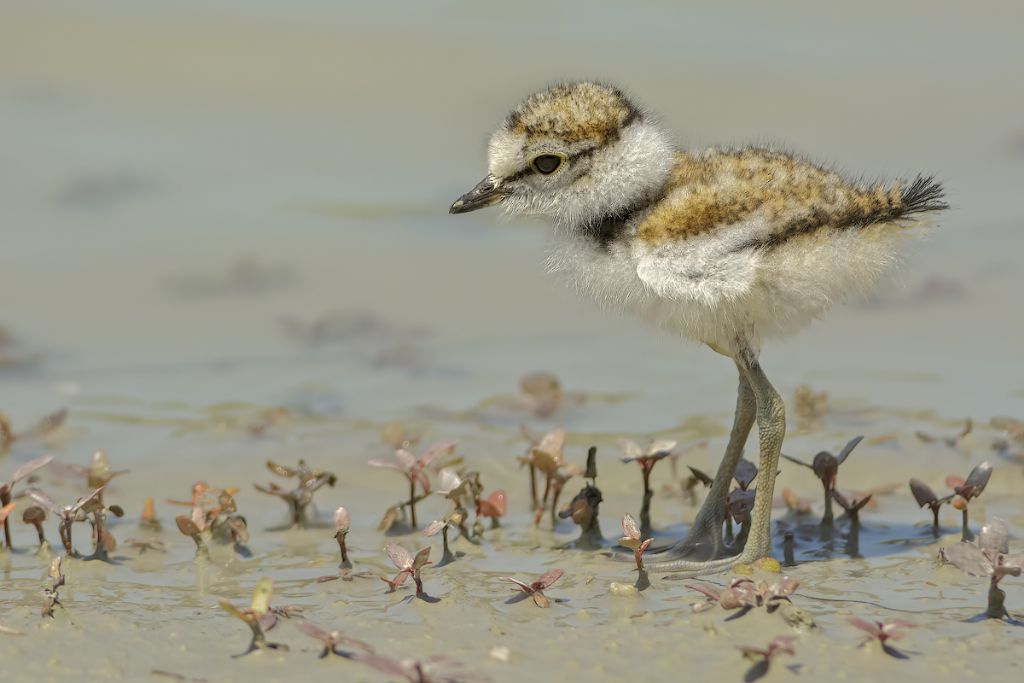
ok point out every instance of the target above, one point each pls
(341, 525)
(407, 565)
(258, 617)
(50, 593)
(882, 632)
(7, 488)
(646, 459)
(67, 515)
(966, 490)
(826, 467)
(762, 657)
(301, 497)
(990, 557)
(535, 589)
(415, 472)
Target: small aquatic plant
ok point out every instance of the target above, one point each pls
(214, 516)
(535, 589)
(584, 508)
(655, 452)
(547, 458)
(966, 490)
(51, 592)
(415, 471)
(341, 526)
(740, 502)
(762, 657)
(542, 395)
(950, 441)
(851, 506)
(44, 426)
(7, 488)
(104, 541)
(454, 520)
(332, 640)
(148, 520)
(990, 557)
(744, 594)
(259, 617)
(631, 538)
(301, 497)
(66, 514)
(492, 507)
(826, 467)
(99, 472)
(430, 670)
(882, 632)
(35, 515)
(925, 497)
(407, 565)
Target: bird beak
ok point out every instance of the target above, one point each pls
(484, 194)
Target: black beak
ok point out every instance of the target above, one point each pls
(484, 194)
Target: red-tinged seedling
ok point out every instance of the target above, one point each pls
(7, 488)
(67, 515)
(851, 506)
(431, 670)
(631, 538)
(655, 452)
(301, 497)
(950, 441)
(925, 497)
(989, 556)
(415, 471)
(826, 467)
(214, 516)
(744, 594)
(407, 565)
(50, 593)
(36, 515)
(454, 520)
(49, 423)
(966, 490)
(145, 544)
(259, 617)
(492, 507)
(882, 632)
(99, 472)
(547, 458)
(794, 503)
(535, 589)
(149, 520)
(332, 640)
(341, 525)
(762, 657)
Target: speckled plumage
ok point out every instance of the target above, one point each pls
(725, 247)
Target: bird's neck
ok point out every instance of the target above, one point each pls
(627, 176)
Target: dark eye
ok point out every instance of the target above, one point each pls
(547, 163)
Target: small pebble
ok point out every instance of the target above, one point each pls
(500, 653)
(622, 589)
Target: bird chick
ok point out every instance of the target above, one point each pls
(723, 246)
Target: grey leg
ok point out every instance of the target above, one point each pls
(704, 540)
(771, 427)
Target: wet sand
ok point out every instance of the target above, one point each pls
(188, 191)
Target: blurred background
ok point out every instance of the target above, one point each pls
(246, 201)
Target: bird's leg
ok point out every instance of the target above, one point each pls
(704, 540)
(771, 427)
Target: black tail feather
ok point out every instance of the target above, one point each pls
(923, 195)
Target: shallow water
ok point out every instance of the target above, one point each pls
(212, 211)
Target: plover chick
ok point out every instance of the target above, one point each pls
(725, 247)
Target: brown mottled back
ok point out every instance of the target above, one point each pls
(717, 188)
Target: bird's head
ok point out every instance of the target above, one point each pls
(574, 152)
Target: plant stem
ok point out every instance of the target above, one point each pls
(645, 508)
(533, 485)
(412, 501)
(826, 520)
(966, 534)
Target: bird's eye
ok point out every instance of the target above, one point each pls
(547, 163)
